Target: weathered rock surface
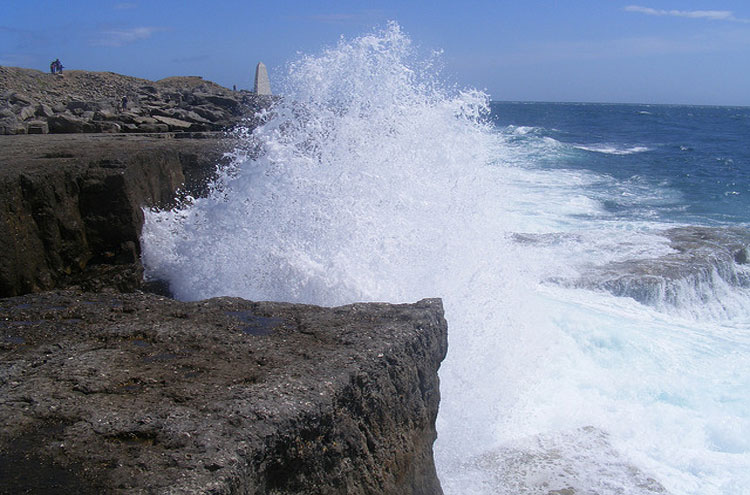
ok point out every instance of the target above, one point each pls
(81, 101)
(701, 259)
(135, 393)
(702, 256)
(70, 206)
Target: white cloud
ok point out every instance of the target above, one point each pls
(714, 15)
(120, 37)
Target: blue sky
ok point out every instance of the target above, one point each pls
(630, 51)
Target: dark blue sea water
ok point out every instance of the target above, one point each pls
(701, 153)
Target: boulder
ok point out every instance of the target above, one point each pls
(108, 127)
(85, 106)
(174, 124)
(26, 112)
(13, 128)
(148, 89)
(44, 111)
(222, 101)
(20, 99)
(138, 119)
(129, 127)
(65, 123)
(192, 116)
(146, 127)
(8, 124)
(106, 114)
(210, 113)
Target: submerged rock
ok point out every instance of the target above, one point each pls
(135, 393)
(701, 258)
(704, 262)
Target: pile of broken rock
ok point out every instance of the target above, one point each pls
(33, 102)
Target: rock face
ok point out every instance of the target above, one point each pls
(91, 102)
(135, 393)
(70, 206)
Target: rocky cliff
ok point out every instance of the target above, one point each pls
(70, 206)
(136, 393)
(108, 389)
(34, 102)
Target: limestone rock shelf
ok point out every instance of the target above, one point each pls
(136, 393)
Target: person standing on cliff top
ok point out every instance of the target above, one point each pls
(56, 67)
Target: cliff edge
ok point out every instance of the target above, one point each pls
(136, 393)
(71, 206)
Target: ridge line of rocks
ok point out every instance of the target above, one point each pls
(33, 102)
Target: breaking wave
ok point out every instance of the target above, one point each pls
(370, 180)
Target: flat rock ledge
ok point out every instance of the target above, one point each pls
(137, 393)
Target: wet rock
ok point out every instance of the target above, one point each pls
(136, 393)
(701, 256)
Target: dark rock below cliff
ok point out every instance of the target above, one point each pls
(135, 393)
(71, 206)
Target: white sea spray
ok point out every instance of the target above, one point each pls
(375, 182)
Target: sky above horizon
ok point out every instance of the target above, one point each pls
(631, 51)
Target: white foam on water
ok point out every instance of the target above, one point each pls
(609, 149)
(375, 183)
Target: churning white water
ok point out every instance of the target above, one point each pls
(376, 183)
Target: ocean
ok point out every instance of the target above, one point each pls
(592, 260)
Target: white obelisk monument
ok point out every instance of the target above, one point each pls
(262, 84)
